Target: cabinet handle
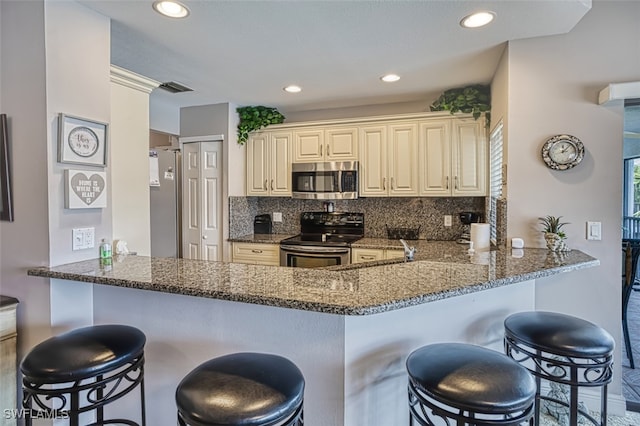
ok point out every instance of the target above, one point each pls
(391, 182)
(265, 185)
(367, 257)
(272, 184)
(256, 251)
(456, 183)
(447, 184)
(320, 150)
(328, 150)
(384, 183)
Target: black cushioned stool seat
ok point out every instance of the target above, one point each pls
(88, 367)
(562, 349)
(247, 389)
(468, 384)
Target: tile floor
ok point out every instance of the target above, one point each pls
(631, 378)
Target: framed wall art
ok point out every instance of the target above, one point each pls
(6, 200)
(85, 189)
(82, 141)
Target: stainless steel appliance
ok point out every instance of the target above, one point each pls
(324, 240)
(166, 203)
(325, 181)
(467, 218)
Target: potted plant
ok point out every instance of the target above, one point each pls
(474, 99)
(255, 118)
(553, 234)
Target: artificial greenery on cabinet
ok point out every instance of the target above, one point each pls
(474, 99)
(255, 118)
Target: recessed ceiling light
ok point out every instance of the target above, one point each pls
(390, 78)
(293, 89)
(172, 9)
(478, 19)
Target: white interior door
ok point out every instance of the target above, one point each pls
(202, 188)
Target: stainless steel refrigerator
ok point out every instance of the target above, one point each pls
(166, 201)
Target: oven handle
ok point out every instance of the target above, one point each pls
(314, 249)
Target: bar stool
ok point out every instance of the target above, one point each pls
(468, 384)
(242, 389)
(562, 349)
(81, 371)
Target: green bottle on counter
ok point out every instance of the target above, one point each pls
(105, 250)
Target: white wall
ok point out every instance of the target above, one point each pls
(163, 117)
(553, 87)
(25, 242)
(129, 164)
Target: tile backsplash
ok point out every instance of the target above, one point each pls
(428, 213)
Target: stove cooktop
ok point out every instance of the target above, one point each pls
(318, 240)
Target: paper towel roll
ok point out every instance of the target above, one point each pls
(480, 236)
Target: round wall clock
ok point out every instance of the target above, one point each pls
(562, 152)
(83, 141)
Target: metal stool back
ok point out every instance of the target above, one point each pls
(562, 349)
(83, 371)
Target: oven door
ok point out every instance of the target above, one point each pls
(313, 256)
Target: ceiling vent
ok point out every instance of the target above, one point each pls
(173, 87)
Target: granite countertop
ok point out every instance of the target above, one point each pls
(260, 238)
(441, 270)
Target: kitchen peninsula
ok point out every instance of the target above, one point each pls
(349, 329)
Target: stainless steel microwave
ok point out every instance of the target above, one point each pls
(325, 181)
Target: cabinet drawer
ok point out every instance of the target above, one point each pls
(361, 255)
(260, 254)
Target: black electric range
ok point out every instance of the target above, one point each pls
(324, 240)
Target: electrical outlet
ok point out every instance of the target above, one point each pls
(89, 237)
(277, 217)
(78, 239)
(447, 220)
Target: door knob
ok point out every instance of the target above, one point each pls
(204, 237)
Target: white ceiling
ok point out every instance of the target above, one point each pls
(245, 52)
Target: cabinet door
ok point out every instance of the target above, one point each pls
(308, 146)
(341, 144)
(258, 164)
(393, 254)
(469, 157)
(403, 160)
(280, 164)
(435, 159)
(373, 161)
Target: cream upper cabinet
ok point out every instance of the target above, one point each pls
(453, 158)
(469, 157)
(329, 144)
(269, 164)
(389, 160)
(435, 158)
(402, 155)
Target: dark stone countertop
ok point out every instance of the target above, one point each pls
(442, 269)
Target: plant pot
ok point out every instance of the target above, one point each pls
(555, 242)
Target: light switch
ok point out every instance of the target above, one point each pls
(594, 231)
(78, 239)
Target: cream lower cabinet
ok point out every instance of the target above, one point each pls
(333, 143)
(453, 158)
(389, 160)
(362, 255)
(257, 254)
(269, 164)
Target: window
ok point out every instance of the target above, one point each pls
(495, 178)
(631, 199)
